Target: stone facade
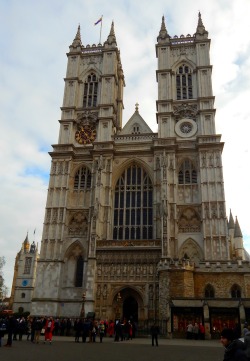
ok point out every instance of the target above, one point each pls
(136, 219)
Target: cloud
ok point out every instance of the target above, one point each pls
(34, 40)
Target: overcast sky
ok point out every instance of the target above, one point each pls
(34, 39)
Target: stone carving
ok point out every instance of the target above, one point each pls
(189, 221)
(78, 224)
(185, 111)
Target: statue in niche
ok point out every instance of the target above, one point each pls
(132, 270)
(151, 297)
(157, 163)
(151, 269)
(98, 292)
(96, 208)
(99, 270)
(164, 211)
(101, 163)
(104, 292)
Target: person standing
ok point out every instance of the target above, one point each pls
(49, 327)
(189, 331)
(234, 348)
(154, 334)
(101, 330)
(202, 331)
(247, 344)
(11, 326)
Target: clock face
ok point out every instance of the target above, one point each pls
(24, 283)
(85, 135)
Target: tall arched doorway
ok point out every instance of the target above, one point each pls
(130, 309)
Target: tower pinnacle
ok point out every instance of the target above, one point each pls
(77, 41)
(200, 30)
(111, 40)
(163, 34)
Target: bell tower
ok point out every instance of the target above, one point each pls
(192, 187)
(75, 209)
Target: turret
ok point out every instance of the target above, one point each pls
(238, 241)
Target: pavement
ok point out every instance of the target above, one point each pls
(138, 349)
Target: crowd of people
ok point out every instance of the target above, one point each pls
(42, 329)
(195, 331)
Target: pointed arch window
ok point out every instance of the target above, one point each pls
(133, 205)
(90, 91)
(27, 265)
(184, 83)
(236, 291)
(209, 291)
(82, 179)
(187, 173)
(79, 272)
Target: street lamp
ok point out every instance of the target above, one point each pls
(83, 303)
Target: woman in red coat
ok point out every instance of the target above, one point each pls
(49, 327)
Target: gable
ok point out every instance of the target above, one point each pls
(136, 125)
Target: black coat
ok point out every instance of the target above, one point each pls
(235, 351)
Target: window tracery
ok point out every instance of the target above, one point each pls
(82, 179)
(133, 205)
(90, 91)
(184, 86)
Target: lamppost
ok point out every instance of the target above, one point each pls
(83, 305)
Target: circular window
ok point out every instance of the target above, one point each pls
(186, 128)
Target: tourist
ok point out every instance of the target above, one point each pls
(234, 348)
(154, 334)
(49, 327)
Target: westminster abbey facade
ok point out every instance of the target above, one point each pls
(136, 220)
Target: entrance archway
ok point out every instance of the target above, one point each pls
(130, 309)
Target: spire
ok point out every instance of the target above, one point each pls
(200, 30)
(111, 40)
(26, 244)
(237, 230)
(231, 221)
(163, 34)
(77, 41)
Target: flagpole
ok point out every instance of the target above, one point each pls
(100, 32)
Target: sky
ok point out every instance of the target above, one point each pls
(34, 39)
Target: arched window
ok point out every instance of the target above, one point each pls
(209, 291)
(133, 208)
(82, 179)
(79, 272)
(184, 86)
(22, 295)
(235, 291)
(90, 91)
(187, 173)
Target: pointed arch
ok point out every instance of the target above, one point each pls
(184, 80)
(209, 291)
(74, 265)
(82, 179)
(133, 204)
(235, 291)
(191, 250)
(90, 90)
(187, 172)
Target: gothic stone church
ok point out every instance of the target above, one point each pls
(134, 219)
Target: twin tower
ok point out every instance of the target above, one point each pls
(136, 220)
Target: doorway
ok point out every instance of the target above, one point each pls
(130, 309)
